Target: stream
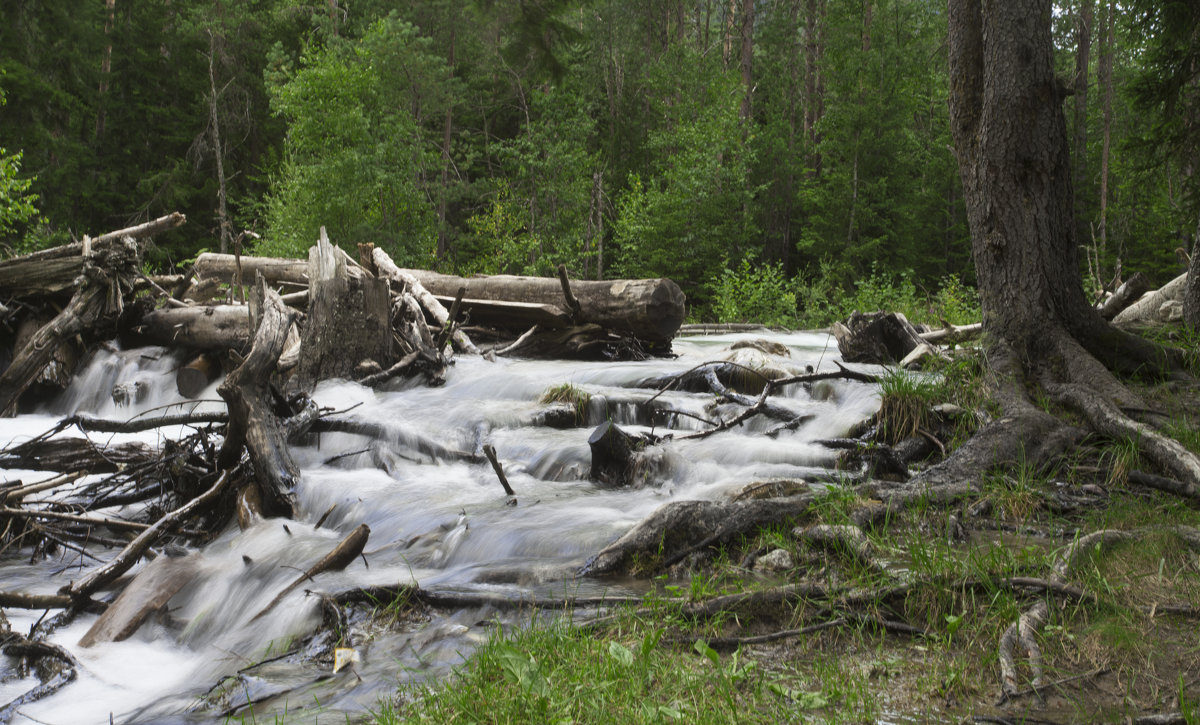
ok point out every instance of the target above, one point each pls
(440, 523)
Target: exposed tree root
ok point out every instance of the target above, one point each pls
(1024, 630)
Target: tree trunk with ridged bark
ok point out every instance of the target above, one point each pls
(1011, 142)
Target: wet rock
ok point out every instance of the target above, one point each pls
(770, 489)
(768, 346)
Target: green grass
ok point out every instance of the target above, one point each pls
(561, 674)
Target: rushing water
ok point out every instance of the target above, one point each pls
(441, 524)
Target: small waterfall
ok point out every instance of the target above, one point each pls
(436, 520)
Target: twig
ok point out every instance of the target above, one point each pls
(490, 452)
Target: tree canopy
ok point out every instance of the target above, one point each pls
(622, 139)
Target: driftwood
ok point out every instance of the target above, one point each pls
(1130, 291)
(252, 422)
(215, 327)
(650, 310)
(149, 592)
(613, 453)
(1157, 307)
(339, 558)
(348, 319)
(97, 297)
(387, 269)
(878, 337)
(55, 270)
(129, 556)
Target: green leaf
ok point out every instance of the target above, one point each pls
(702, 648)
(620, 653)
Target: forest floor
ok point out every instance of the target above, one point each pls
(903, 625)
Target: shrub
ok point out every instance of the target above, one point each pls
(762, 294)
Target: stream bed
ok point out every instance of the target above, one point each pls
(437, 522)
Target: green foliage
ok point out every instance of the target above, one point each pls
(354, 152)
(560, 674)
(759, 294)
(905, 402)
(502, 242)
(16, 203)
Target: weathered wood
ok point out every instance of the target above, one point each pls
(506, 314)
(64, 455)
(122, 562)
(84, 311)
(1130, 291)
(223, 268)
(649, 309)
(877, 337)
(953, 334)
(339, 558)
(54, 270)
(252, 422)
(107, 269)
(1155, 307)
(63, 360)
(149, 592)
(490, 451)
(387, 269)
(612, 455)
(216, 327)
(349, 319)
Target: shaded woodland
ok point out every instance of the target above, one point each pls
(506, 137)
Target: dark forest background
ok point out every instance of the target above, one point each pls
(794, 150)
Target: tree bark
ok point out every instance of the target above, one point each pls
(747, 58)
(1083, 47)
(649, 309)
(1106, 83)
(252, 422)
(217, 327)
(349, 319)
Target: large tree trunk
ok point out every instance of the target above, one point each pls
(1010, 138)
(1011, 142)
(1083, 48)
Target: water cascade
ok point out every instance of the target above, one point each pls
(437, 514)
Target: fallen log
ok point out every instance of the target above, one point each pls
(339, 558)
(649, 309)
(1130, 291)
(122, 562)
(1155, 307)
(149, 592)
(224, 267)
(54, 270)
(215, 327)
